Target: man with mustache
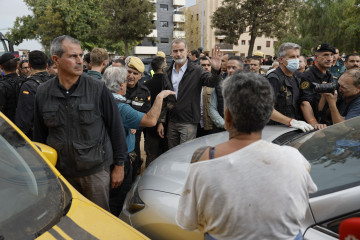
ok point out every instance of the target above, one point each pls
(352, 61)
(78, 116)
(186, 79)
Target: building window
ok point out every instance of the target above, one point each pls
(197, 17)
(267, 43)
(164, 7)
(242, 54)
(243, 42)
(164, 24)
(164, 40)
(258, 47)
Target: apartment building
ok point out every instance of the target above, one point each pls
(263, 44)
(169, 22)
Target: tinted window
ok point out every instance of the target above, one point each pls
(30, 193)
(334, 155)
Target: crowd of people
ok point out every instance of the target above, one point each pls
(93, 114)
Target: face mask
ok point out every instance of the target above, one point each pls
(293, 64)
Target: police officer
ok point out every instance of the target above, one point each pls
(138, 96)
(286, 88)
(9, 85)
(309, 98)
(25, 108)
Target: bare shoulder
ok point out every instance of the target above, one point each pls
(201, 154)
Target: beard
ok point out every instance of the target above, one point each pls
(180, 60)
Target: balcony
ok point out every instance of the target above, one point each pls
(155, 16)
(145, 50)
(179, 3)
(226, 47)
(152, 1)
(152, 34)
(220, 37)
(178, 34)
(178, 17)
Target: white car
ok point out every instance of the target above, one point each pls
(334, 155)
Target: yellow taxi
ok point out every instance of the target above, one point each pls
(38, 203)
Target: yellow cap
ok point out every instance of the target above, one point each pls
(137, 64)
(160, 54)
(258, 53)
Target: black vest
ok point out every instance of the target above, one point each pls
(76, 127)
(220, 100)
(285, 103)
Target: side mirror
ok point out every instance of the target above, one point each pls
(49, 152)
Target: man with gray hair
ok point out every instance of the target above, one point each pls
(77, 115)
(186, 79)
(115, 79)
(286, 88)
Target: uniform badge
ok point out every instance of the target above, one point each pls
(304, 85)
(149, 98)
(25, 92)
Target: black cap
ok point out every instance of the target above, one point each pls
(6, 57)
(325, 47)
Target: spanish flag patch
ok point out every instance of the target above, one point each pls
(149, 98)
(25, 92)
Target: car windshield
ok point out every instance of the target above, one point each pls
(30, 193)
(334, 155)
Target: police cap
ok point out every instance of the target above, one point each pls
(325, 47)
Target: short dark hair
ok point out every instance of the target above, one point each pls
(38, 60)
(22, 62)
(203, 58)
(157, 63)
(119, 60)
(87, 58)
(11, 65)
(237, 58)
(195, 52)
(249, 98)
(350, 55)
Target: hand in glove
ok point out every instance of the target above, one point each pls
(303, 126)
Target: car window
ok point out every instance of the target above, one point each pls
(30, 193)
(334, 155)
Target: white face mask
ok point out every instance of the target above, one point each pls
(293, 64)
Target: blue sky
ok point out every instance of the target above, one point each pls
(10, 9)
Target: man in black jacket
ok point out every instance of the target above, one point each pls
(78, 116)
(25, 108)
(186, 79)
(9, 85)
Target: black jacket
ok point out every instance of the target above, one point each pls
(186, 107)
(139, 98)
(83, 124)
(9, 88)
(24, 118)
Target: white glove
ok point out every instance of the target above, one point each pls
(303, 126)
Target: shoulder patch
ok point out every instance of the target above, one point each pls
(149, 98)
(25, 92)
(304, 85)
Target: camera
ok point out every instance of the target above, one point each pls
(325, 87)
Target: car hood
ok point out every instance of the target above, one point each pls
(167, 173)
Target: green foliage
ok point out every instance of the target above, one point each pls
(332, 21)
(261, 17)
(129, 21)
(90, 21)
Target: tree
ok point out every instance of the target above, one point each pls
(129, 21)
(326, 21)
(261, 17)
(192, 29)
(52, 18)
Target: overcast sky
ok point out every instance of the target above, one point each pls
(10, 9)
